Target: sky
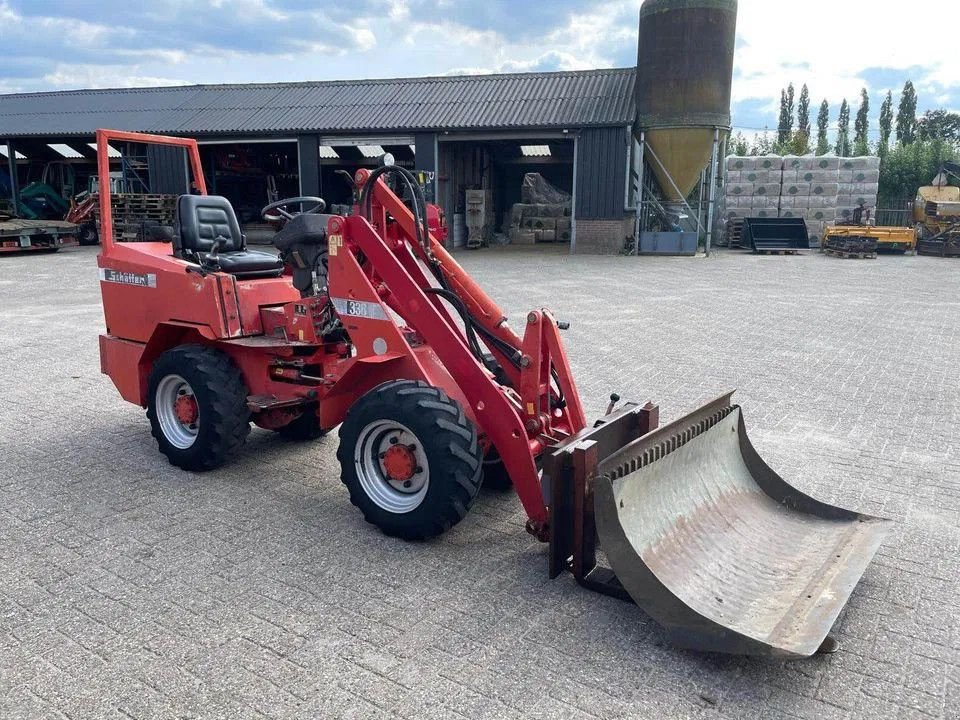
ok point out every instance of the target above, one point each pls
(835, 46)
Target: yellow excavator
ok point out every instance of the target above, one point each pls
(936, 212)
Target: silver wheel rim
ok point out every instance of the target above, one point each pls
(392, 495)
(179, 434)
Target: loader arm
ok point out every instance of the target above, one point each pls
(520, 390)
(546, 355)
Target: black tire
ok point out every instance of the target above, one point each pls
(448, 440)
(221, 400)
(88, 235)
(495, 475)
(304, 428)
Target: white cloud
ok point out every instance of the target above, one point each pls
(67, 76)
(828, 44)
(834, 46)
(584, 41)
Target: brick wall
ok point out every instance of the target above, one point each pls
(602, 237)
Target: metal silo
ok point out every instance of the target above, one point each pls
(684, 74)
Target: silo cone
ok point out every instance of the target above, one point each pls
(684, 75)
(684, 153)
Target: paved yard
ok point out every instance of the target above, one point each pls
(131, 589)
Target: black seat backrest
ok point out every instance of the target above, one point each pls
(306, 229)
(201, 220)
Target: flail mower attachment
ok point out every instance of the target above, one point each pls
(702, 534)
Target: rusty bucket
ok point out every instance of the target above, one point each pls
(715, 546)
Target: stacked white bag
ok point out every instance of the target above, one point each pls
(820, 190)
(858, 184)
(753, 186)
(809, 190)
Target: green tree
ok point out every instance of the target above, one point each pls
(907, 167)
(799, 144)
(886, 123)
(939, 125)
(762, 144)
(907, 115)
(801, 138)
(785, 124)
(738, 145)
(803, 111)
(842, 148)
(861, 126)
(823, 123)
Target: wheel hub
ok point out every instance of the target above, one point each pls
(392, 466)
(399, 463)
(178, 411)
(186, 409)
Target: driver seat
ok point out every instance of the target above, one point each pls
(203, 221)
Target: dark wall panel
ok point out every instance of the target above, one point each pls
(168, 169)
(308, 149)
(426, 145)
(601, 172)
(426, 159)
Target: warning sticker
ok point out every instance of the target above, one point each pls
(335, 243)
(147, 280)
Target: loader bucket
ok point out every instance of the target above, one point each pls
(718, 548)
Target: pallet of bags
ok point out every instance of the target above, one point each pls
(859, 163)
(539, 222)
(768, 162)
(739, 163)
(521, 236)
(738, 189)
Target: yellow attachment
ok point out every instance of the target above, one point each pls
(901, 238)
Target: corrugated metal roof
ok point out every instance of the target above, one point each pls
(464, 102)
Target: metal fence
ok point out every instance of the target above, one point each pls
(897, 212)
(897, 218)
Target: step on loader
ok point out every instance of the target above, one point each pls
(366, 322)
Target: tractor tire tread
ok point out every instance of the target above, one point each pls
(218, 384)
(455, 472)
(454, 427)
(444, 407)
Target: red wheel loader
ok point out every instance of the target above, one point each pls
(368, 323)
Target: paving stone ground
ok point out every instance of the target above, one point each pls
(130, 589)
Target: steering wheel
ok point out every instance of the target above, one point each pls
(318, 206)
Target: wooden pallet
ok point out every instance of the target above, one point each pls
(735, 233)
(850, 254)
(133, 209)
(779, 251)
